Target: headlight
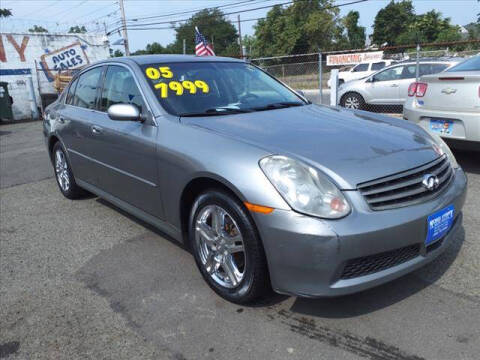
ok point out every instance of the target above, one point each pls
(444, 149)
(305, 189)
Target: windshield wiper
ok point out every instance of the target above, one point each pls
(216, 112)
(278, 105)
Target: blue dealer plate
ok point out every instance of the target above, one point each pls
(441, 126)
(439, 223)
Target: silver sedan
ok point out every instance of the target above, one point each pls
(388, 86)
(449, 104)
(266, 189)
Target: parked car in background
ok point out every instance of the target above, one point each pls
(360, 70)
(265, 188)
(390, 85)
(448, 104)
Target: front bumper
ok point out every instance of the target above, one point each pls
(306, 255)
(466, 125)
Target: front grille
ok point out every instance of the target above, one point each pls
(378, 262)
(406, 188)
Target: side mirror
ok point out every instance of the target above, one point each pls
(371, 79)
(124, 112)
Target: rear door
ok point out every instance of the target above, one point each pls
(78, 116)
(127, 148)
(409, 75)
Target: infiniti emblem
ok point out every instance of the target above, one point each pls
(430, 182)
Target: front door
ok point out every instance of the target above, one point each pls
(128, 148)
(384, 87)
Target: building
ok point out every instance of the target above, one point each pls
(42, 55)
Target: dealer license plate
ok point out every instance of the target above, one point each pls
(439, 223)
(441, 126)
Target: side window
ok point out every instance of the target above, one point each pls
(86, 90)
(389, 74)
(378, 65)
(360, 67)
(427, 69)
(120, 88)
(71, 92)
(410, 71)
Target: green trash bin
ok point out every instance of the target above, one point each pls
(5, 102)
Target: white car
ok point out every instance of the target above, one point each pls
(448, 104)
(390, 85)
(360, 70)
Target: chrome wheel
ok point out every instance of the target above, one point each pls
(220, 246)
(61, 170)
(352, 102)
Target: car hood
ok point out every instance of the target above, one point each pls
(350, 147)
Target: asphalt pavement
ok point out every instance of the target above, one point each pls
(84, 280)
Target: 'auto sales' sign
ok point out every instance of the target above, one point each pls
(354, 58)
(69, 57)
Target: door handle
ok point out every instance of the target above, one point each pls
(394, 85)
(96, 129)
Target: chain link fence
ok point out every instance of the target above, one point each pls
(377, 86)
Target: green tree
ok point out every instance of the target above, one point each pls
(212, 24)
(117, 53)
(38, 29)
(304, 26)
(392, 21)
(77, 30)
(153, 48)
(5, 13)
(355, 34)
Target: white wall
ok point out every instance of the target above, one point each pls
(18, 53)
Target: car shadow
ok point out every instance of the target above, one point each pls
(383, 296)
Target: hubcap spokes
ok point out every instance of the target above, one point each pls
(352, 103)
(61, 170)
(221, 247)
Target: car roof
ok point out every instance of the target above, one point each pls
(431, 60)
(169, 58)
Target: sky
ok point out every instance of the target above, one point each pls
(59, 15)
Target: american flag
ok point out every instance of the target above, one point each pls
(202, 47)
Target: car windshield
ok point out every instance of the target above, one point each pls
(472, 64)
(216, 88)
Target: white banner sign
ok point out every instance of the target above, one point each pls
(354, 58)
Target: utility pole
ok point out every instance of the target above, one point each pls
(184, 47)
(124, 28)
(240, 36)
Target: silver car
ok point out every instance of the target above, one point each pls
(266, 189)
(448, 104)
(388, 86)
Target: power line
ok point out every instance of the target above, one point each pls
(139, 26)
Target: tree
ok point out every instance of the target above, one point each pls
(153, 48)
(5, 13)
(304, 26)
(391, 21)
(38, 29)
(117, 53)
(355, 34)
(77, 30)
(212, 24)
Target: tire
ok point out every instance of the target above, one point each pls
(221, 260)
(353, 101)
(63, 174)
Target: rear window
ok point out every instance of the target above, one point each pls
(472, 64)
(378, 65)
